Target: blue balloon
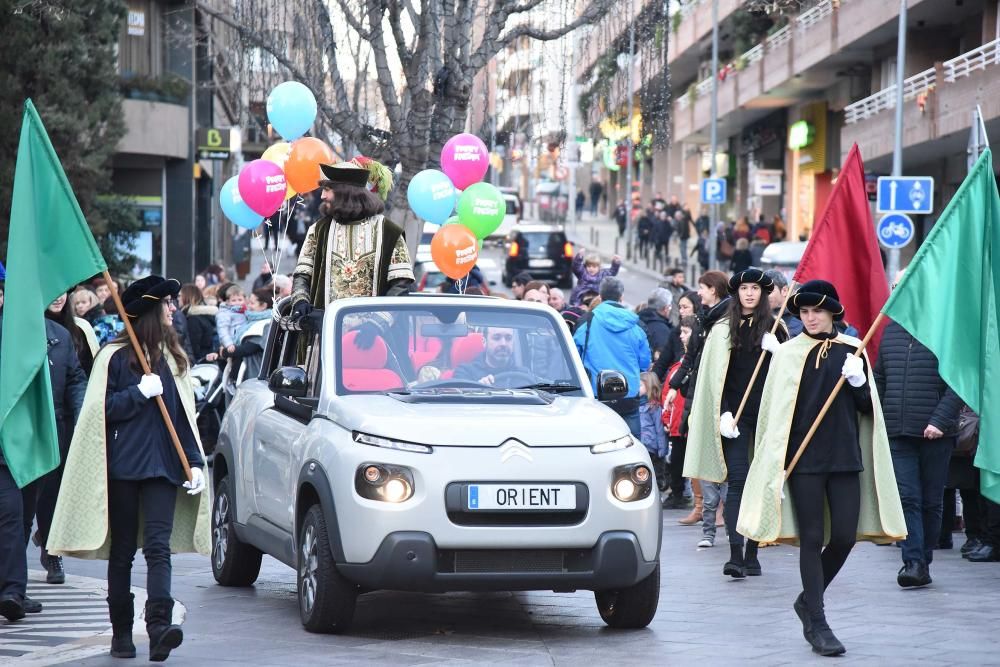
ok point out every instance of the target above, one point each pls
(291, 109)
(235, 208)
(432, 195)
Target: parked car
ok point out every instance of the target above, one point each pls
(510, 219)
(784, 256)
(427, 274)
(543, 251)
(424, 247)
(396, 465)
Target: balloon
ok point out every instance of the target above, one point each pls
(454, 250)
(431, 196)
(481, 208)
(262, 186)
(278, 154)
(465, 159)
(291, 109)
(302, 167)
(235, 208)
(453, 220)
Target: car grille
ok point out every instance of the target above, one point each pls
(486, 561)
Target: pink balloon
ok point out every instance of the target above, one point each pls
(465, 160)
(262, 186)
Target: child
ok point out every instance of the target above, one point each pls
(231, 316)
(673, 410)
(589, 274)
(652, 434)
(251, 336)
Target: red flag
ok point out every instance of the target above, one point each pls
(844, 250)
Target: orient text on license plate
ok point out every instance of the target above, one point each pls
(515, 497)
(541, 263)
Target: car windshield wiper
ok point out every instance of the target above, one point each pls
(552, 387)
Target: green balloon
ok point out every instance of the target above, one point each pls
(481, 208)
(453, 220)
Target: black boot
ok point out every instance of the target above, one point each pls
(163, 637)
(54, 573)
(914, 573)
(802, 611)
(750, 561)
(822, 638)
(122, 613)
(735, 567)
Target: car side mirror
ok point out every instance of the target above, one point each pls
(611, 386)
(289, 381)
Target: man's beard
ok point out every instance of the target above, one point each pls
(325, 209)
(500, 358)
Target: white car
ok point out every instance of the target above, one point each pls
(434, 443)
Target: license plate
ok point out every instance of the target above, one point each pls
(517, 497)
(541, 263)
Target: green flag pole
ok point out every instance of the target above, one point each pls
(833, 394)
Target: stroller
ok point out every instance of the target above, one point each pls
(210, 403)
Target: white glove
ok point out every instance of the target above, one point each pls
(727, 426)
(854, 371)
(150, 386)
(197, 483)
(769, 343)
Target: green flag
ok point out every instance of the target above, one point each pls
(50, 249)
(947, 299)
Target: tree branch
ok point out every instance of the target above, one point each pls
(395, 24)
(353, 21)
(390, 99)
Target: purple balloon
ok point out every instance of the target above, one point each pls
(262, 187)
(465, 160)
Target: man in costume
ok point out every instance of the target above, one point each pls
(719, 448)
(846, 468)
(352, 250)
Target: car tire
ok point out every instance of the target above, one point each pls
(234, 563)
(326, 599)
(632, 607)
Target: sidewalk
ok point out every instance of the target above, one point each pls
(600, 234)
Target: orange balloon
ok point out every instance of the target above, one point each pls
(302, 167)
(455, 250)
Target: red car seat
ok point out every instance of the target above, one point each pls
(464, 350)
(364, 370)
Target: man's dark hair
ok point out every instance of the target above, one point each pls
(351, 203)
(612, 289)
(777, 277)
(522, 278)
(586, 296)
(675, 271)
(690, 322)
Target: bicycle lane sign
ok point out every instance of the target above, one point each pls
(895, 230)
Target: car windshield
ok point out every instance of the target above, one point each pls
(538, 243)
(451, 348)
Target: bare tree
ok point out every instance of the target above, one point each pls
(393, 79)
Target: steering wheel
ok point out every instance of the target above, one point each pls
(509, 379)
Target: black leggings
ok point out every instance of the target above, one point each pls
(818, 566)
(736, 451)
(678, 445)
(156, 498)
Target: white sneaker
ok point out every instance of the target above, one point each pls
(706, 542)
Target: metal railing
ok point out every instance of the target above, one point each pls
(754, 54)
(811, 17)
(977, 59)
(779, 38)
(886, 98)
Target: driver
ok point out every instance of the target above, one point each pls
(498, 357)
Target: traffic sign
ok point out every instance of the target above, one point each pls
(713, 191)
(895, 230)
(905, 194)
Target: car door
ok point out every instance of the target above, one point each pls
(276, 434)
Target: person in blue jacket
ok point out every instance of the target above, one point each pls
(611, 339)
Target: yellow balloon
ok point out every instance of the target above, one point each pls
(278, 154)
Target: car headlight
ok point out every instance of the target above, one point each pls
(613, 445)
(389, 443)
(632, 482)
(388, 483)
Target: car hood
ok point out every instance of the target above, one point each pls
(565, 422)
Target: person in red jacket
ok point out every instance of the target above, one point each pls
(673, 411)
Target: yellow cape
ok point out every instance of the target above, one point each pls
(766, 511)
(80, 524)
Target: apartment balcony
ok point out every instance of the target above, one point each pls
(514, 63)
(155, 128)
(937, 105)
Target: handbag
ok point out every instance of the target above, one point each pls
(968, 432)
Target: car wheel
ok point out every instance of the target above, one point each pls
(234, 563)
(326, 599)
(632, 607)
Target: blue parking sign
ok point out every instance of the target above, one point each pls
(713, 191)
(905, 194)
(895, 230)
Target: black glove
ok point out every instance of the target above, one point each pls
(366, 335)
(301, 309)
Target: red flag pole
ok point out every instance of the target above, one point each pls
(833, 395)
(760, 359)
(145, 369)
